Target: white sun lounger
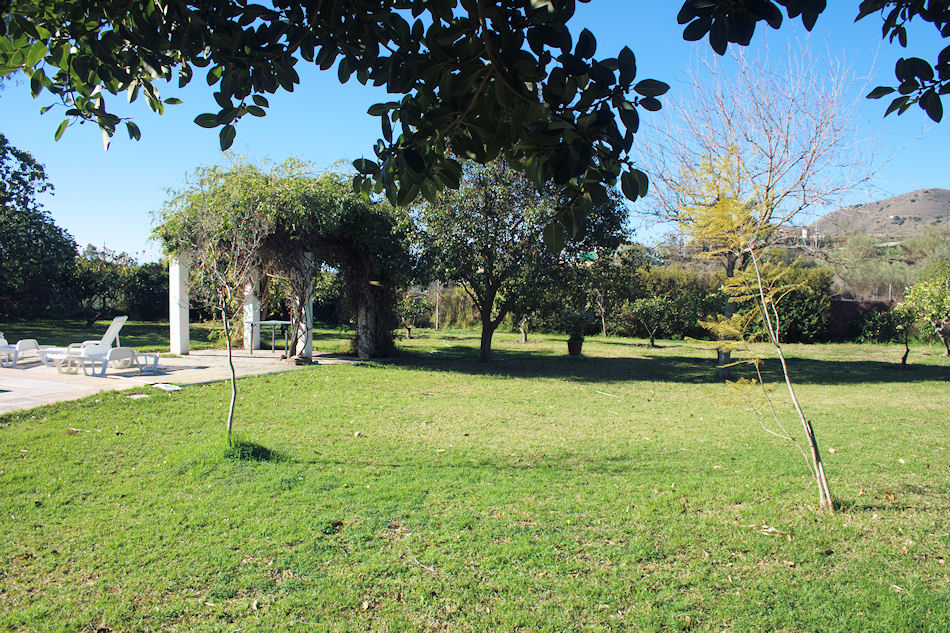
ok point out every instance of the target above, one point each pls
(90, 356)
(10, 354)
(110, 338)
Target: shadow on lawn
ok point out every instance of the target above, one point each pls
(662, 368)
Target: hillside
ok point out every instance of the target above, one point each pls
(905, 215)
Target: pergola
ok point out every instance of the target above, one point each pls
(179, 305)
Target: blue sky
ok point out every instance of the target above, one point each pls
(106, 197)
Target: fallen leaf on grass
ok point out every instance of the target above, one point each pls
(254, 605)
(897, 589)
(788, 563)
(891, 498)
(74, 431)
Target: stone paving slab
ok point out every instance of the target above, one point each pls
(31, 384)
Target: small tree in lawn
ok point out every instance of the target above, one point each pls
(411, 308)
(929, 299)
(219, 221)
(650, 312)
(763, 286)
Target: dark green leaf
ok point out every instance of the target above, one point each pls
(553, 236)
(931, 104)
(651, 88)
(628, 65)
(207, 120)
(629, 186)
(879, 92)
(586, 45)
(227, 136)
(133, 130)
(366, 166)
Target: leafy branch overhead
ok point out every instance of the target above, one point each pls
(471, 79)
(921, 81)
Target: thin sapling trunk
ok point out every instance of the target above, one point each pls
(227, 338)
(824, 491)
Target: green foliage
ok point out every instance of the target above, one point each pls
(929, 300)
(412, 307)
(879, 326)
(36, 256)
(553, 106)
(577, 323)
(288, 224)
(649, 312)
(100, 282)
(488, 237)
(805, 310)
(798, 300)
(456, 309)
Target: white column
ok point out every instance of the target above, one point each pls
(252, 312)
(305, 329)
(178, 303)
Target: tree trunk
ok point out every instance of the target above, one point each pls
(374, 326)
(408, 332)
(603, 324)
(484, 352)
(523, 328)
(939, 329)
(724, 357)
(652, 333)
(227, 338)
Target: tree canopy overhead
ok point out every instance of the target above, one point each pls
(471, 78)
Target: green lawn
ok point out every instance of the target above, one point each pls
(624, 491)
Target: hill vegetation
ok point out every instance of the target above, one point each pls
(907, 215)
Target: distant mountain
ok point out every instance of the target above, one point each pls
(902, 216)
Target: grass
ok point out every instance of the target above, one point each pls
(626, 490)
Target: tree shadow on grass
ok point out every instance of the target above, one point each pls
(246, 451)
(662, 367)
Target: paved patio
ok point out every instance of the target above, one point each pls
(31, 384)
